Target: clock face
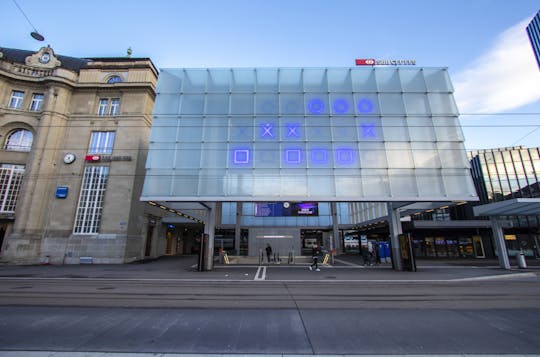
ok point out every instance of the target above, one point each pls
(69, 158)
(45, 58)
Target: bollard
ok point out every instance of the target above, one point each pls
(522, 264)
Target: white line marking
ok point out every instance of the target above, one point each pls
(260, 274)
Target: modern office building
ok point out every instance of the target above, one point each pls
(278, 155)
(499, 175)
(533, 30)
(74, 136)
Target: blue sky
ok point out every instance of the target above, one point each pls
(482, 42)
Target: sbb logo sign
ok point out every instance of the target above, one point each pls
(365, 62)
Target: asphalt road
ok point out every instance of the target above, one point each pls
(326, 316)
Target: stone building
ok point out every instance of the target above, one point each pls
(74, 138)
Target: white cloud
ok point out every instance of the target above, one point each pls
(504, 78)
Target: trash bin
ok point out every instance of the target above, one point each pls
(522, 264)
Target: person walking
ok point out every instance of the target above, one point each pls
(268, 252)
(315, 256)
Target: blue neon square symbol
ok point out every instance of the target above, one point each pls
(345, 156)
(241, 156)
(293, 156)
(319, 156)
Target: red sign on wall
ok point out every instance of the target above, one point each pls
(365, 62)
(92, 158)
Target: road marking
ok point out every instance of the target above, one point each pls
(260, 274)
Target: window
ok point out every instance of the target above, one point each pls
(101, 142)
(109, 106)
(16, 99)
(37, 102)
(19, 140)
(114, 79)
(90, 204)
(10, 184)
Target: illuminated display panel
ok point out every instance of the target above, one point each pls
(297, 134)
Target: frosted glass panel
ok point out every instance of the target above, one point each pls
(217, 104)
(339, 80)
(342, 104)
(348, 182)
(375, 183)
(211, 183)
(323, 179)
(344, 128)
(421, 129)
(429, 183)
(318, 129)
(252, 134)
(242, 103)
(372, 155)
(395, 129)
(402, 181)
(448, 129)
(267, 80)
(388, 80)
(392, 104)
(316, 104)
(294, 184)
(186, 184)
(416, 104)
(169, 104)
(412, 80)
(291, 104)
(290, 80)
(266, 103)
(315, 80)
(219, 80)
(266, 182)
(452, 155)
(164, 130)
(192, 104)
(437, 80)
(364, 81)
(215, 155)
(170, 81)
(399, 155)
(442, 104)
(425, 155)
(158, 182)
(189, 130)
(189, 157)
(161, 155)
(194, 81)
(243, 80)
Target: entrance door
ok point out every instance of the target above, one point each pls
(149, 233)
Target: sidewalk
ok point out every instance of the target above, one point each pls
(345, 268)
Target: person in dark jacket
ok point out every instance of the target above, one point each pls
(268, 252)
(315, 251)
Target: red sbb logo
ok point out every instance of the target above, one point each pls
(92, 158)
(365, 62)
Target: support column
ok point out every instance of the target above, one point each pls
(237, 227)
(335, 241)
(209, 228)
(394, 222)
(498, 237)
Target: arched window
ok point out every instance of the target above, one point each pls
(19, 140)
(114, 79)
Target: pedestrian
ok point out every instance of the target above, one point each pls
(268, 252)
(377, 253)
(315, 257)
(365, 255)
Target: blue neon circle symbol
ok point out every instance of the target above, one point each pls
(316, 106)
(364, 106)
(341, 106)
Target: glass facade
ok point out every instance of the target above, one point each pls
(533, 30)
(319, 134)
